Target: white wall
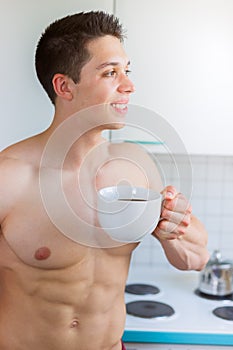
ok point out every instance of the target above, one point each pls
(182, 63)
(181, 53)
(25, 108)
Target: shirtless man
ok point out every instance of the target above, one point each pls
(57, 293)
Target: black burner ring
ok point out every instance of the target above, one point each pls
(141, 289)
(149, 309)
(225, 312)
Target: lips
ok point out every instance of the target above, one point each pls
(120, 107)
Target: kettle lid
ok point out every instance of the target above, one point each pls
(216, 259)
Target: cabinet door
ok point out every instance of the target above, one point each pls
(25, 109)
(182, 53)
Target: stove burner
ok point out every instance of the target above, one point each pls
(149, 309)
(141, 289)
(225, 312)
(213, 297)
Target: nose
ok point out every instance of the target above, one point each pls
(126, 85)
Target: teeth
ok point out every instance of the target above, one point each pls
(119, 105)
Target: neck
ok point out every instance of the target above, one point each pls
(72, 140)
(91, 142)
(75, 134)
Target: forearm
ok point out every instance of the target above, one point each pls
(188, 251)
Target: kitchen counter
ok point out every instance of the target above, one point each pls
(193, 321)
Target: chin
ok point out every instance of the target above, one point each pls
(115, 125)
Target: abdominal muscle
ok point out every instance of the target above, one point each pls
(80, 307)
(48, 326)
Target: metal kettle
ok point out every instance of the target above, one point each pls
(217, 277)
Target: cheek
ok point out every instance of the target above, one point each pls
(99, 96)
(96, 93)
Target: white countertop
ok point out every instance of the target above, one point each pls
(193, 315)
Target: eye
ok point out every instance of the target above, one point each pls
(113, 73)
(110, 73)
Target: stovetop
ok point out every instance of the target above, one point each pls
(193, 319)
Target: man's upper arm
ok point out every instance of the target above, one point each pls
(3, 188)
(8, 173)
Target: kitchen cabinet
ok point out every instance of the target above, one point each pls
(25, 108)
(181, 54)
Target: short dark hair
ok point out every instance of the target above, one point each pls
(62, 47)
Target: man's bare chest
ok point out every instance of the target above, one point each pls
(55, 218)
(36, 237)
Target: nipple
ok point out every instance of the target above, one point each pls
(42, 253)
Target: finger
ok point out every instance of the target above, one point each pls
(168, 227)
(176, 217)
(178, 204)
(164, 235)
(169, 192)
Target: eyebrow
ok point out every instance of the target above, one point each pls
(106, 64)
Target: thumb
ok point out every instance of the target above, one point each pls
(169, 192)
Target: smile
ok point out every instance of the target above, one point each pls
(120, 107)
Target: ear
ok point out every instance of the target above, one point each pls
(63, 86)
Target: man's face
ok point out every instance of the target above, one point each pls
(104, 78)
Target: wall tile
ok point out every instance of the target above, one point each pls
(212, 202)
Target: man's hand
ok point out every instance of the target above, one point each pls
(175, 215)
(182, 236)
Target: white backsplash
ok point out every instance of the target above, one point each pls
(212, 203)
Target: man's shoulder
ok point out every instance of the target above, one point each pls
(138, 155)
(16, 162)
(16, 179)
(131, 148)
(22, 153)
(13, 172)
(134, 152)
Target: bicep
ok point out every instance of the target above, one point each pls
(8, 186)
(4, 200)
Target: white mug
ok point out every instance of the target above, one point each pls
(128, 213)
